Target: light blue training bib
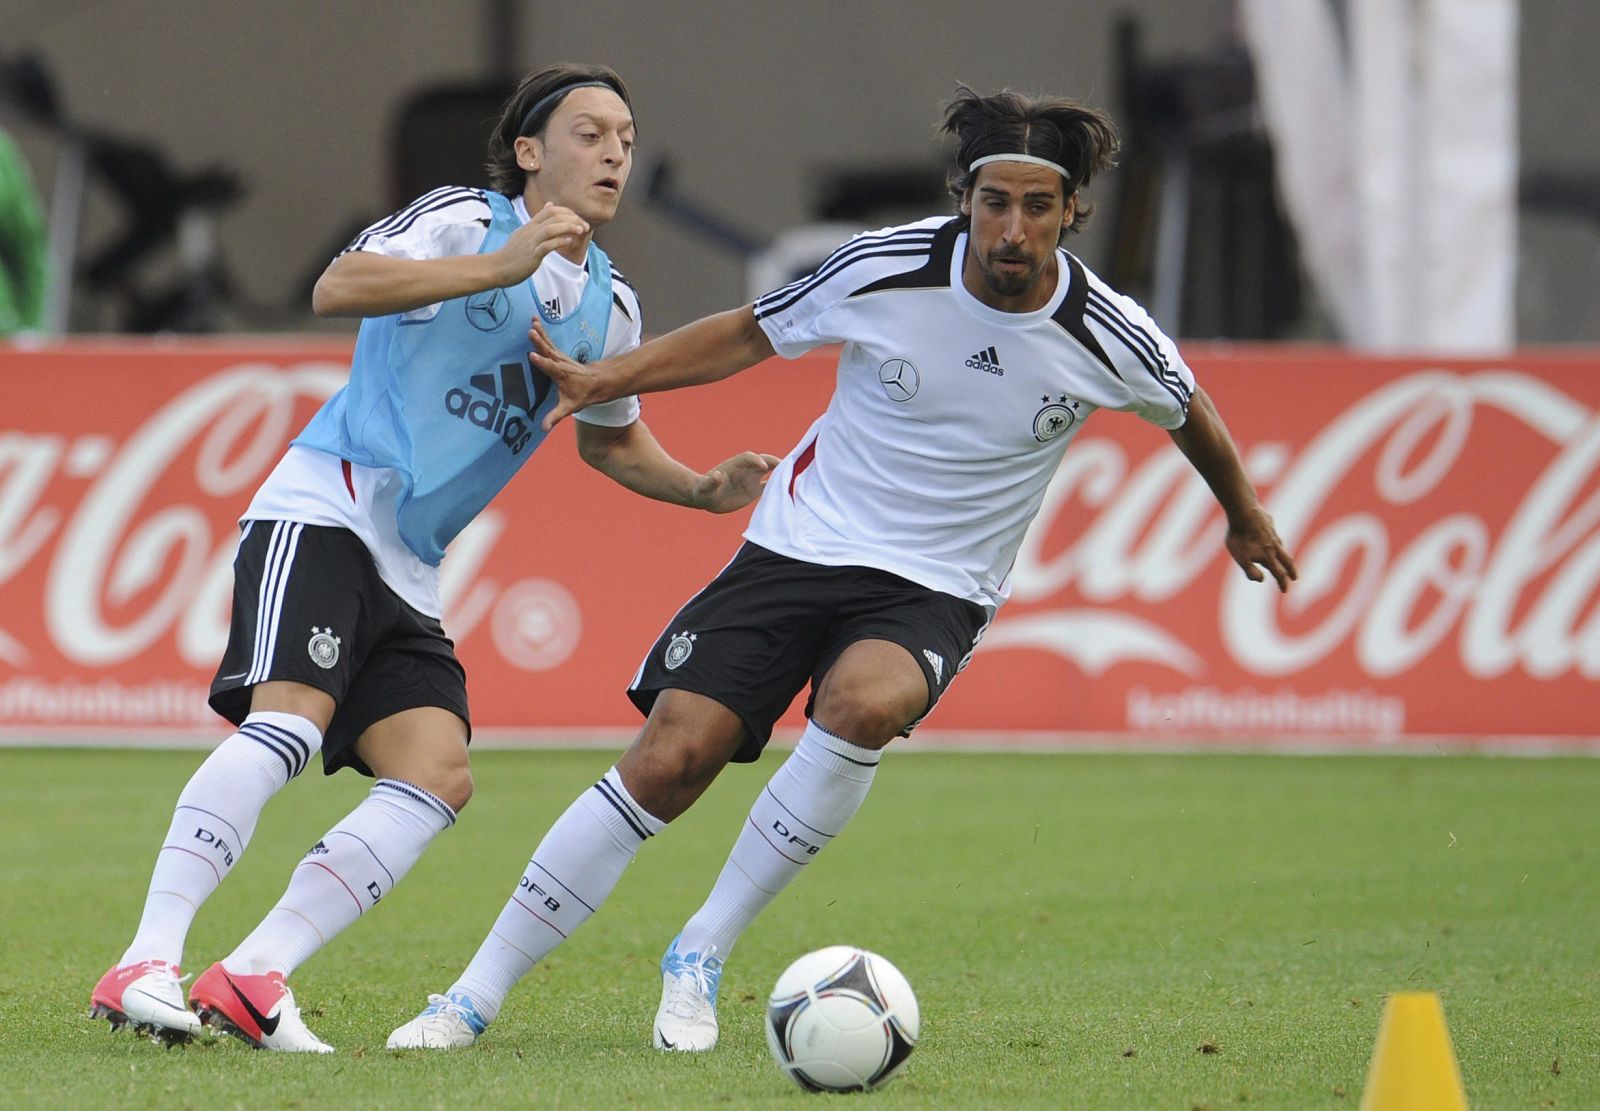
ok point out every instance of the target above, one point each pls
(452, 403)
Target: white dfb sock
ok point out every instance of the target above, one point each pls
(356, 863)
(572, 872)
(213, 822)
(802, 808)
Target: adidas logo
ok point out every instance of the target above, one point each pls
(936, 660)
(494, 411)
(987, 361)
(553, 307)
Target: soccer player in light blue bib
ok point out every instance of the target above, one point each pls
(336, 643)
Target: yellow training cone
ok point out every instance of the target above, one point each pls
(1413, 1066)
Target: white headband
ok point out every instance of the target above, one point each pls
(1028, 158)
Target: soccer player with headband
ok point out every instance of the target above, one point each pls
(974, 347)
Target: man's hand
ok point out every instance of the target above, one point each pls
(549, 229)
(733, 484)
(708, 350)
(578, 385)
(1253, 543)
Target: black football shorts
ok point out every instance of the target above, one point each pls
(769, 624)
(309, 607)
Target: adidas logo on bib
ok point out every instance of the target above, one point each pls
(492, 403)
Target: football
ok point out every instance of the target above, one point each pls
(841, 1019)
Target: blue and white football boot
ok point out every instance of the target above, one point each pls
(447, 1022)
(687, 1018)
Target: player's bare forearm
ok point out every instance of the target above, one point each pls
(1204, 440)
(365, 283)
(1252, 540)
(362, 283)
(710, 349)
(632, 457)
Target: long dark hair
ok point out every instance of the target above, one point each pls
(1080, 139)
(505, 176)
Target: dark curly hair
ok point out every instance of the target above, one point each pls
(1080, 139)
(505, 176)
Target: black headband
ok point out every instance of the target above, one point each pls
(527, 119)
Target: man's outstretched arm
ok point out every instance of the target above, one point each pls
(1252, 540)
(710, 349)
(633, 458)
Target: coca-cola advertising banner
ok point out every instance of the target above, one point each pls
(1445, 515)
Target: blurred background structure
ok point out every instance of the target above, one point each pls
(1410, 185)
(200, 164)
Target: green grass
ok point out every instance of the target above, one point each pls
(1076, 927)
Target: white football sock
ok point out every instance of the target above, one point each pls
(344, 875)
(802, 808)
(572, 871)
(214, 819)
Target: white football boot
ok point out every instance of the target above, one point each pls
(447, 1022)
(687, 1018)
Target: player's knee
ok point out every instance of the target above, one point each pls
(871, 694)
(864, 713)
(865, 721)
(675, 758)
(460, 788)
(682, 763)
(451, 783)
(691, 739)
(281, 696)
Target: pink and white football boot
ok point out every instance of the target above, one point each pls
(148, 994)
(258, 1010)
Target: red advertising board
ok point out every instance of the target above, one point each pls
(1445, 515)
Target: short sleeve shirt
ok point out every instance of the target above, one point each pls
(949, 416)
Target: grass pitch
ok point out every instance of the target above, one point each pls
(1081, 931)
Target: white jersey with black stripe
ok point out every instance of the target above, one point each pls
(948, 417)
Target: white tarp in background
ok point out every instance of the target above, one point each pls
(1396, 144)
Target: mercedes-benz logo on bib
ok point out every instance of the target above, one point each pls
(488, 311)
(900, 379)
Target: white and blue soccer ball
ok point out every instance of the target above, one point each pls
(842, 1019)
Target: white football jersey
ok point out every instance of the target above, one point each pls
(948, 417)
(315, 488)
